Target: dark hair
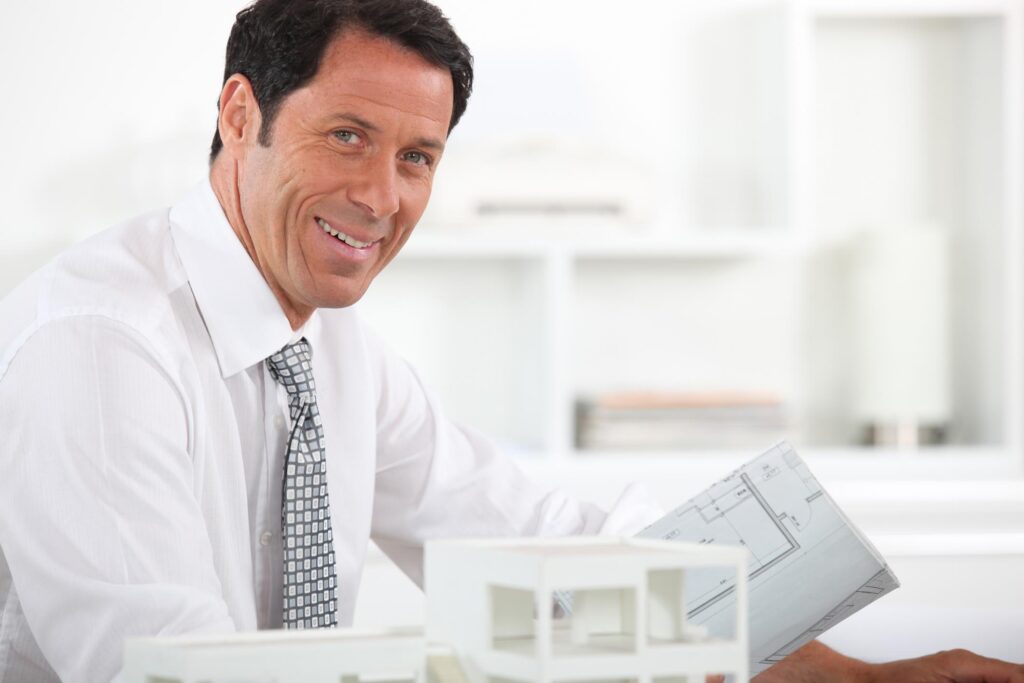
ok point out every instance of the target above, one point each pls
(278, 46)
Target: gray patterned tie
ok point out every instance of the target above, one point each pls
(309, 583)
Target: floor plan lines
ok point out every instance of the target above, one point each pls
(808, 566)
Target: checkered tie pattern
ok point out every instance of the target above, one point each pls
(309, 582)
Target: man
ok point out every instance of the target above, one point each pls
(200, 436)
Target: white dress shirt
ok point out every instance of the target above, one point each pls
(143, 443)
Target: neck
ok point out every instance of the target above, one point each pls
(224, 180)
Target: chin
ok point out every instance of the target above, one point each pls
(328, 290)
(340, 299)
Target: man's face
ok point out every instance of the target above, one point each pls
(347, 173)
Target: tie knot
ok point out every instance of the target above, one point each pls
(292, 368)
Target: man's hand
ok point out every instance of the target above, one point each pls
(959, 666)
(816, 663)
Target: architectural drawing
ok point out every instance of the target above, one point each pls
(809, 566)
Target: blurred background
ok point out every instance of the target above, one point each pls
(665, 236)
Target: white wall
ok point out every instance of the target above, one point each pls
(108, 109)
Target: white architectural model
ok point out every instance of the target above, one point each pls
(315, 656)
(489, 602)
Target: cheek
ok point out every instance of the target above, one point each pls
(266, 203)
(414, 204)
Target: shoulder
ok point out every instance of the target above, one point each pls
(346, 331)
(122, 281)
(394, 384)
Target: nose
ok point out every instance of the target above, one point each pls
(375, 190)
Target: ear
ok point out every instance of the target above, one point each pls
(239, 119)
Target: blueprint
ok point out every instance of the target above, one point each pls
(810, 568)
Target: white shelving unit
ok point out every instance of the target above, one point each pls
(803, 122)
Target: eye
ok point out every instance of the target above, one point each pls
(417, 158)
(346, 136)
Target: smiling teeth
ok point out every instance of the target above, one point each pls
(341, 236)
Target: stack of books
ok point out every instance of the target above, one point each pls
(671, 421)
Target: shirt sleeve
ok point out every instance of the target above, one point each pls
(99, 524)
(437, 479)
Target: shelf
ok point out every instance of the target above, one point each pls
(713, 244)
(430, 246)
(859, 9)
(885, 485)
(725, 245)
(859, 454)
(789, 128)
(946, 545)
(909, 156)
(472, 328)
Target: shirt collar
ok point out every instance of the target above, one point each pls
(245, 321)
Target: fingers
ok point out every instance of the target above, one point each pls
(966, 667)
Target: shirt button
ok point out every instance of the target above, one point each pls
(265, 538)
(279, 422)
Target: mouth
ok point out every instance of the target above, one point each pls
(342, 237)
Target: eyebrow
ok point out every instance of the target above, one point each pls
(429, 143)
